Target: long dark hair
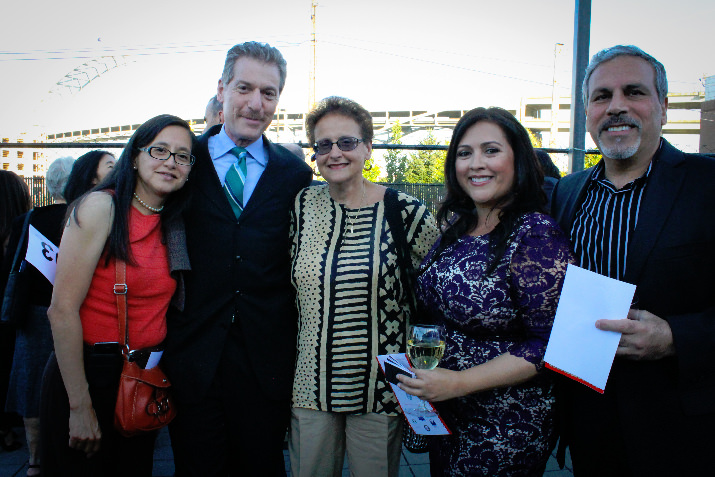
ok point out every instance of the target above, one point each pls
(457, 215)
(14, 200)
(84, 172)
(122, 181)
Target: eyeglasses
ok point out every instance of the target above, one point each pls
(344, 144)
(163, 154)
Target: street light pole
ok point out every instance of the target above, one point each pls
(555, 100)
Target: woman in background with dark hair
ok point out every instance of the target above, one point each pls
(493, 280)
(552, 175)
(89, 170)
(15, 200)
(33, 340)
(134, 218)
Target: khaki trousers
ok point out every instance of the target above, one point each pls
(319, 441)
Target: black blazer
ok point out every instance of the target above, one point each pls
(240, 271)
(671, 259)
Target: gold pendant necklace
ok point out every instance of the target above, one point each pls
(350, 218)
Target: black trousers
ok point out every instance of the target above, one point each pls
(119, 456)
(236, 430)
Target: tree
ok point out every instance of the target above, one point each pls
(590, 160)
(426, 167)
(373, 171)
(395, 160)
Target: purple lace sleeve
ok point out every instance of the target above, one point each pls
(537, 274)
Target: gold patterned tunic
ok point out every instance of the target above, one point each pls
(350, 299)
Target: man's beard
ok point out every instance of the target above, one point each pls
(616, 150)
(619, 152)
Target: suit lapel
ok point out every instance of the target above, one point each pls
(206, 179)
(572, 201)
(661, 193)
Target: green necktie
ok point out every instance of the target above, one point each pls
(235, 179)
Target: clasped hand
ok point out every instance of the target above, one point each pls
(644, 336)
(432, 385)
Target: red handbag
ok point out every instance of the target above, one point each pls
(144, 400)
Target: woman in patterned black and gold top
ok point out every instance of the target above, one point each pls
(350, 300)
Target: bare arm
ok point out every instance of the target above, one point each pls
(80, 250)
(441, 384)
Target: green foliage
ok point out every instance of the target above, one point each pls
(590, 160)
(395, 160)
(426, 167)
(373, 171)
(535, 140)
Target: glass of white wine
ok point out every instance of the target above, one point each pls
(425, 347)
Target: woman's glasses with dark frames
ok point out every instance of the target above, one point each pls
(345, 144)
(163, 154)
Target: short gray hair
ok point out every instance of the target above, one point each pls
(57, 175)
(258, 51)
(215, 105)
(607, 54)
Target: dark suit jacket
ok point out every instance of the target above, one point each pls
(240, 271)
(668, 403)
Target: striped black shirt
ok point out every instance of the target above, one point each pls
(604, 223)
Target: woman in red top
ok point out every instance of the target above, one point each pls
(132, 218)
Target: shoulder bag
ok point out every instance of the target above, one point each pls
(16, 298)
(144, 401)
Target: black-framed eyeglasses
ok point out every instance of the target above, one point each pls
(344, 144)
(161, 153)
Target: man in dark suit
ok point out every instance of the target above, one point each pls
(230, 354)
(645, 215)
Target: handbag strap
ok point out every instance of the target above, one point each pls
(393, 214)
(120, 292)
(21, 243)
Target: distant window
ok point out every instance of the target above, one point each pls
(20, 166)
(5, 166)
(19, 154)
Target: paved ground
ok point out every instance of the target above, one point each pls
(14, 464)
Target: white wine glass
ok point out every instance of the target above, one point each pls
(425, 348)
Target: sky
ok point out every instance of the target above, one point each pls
(385, 54)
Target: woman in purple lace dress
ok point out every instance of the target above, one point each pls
(493, 280)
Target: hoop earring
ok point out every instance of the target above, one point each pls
(316, 172)
(366, 166)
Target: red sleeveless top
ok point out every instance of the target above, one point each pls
(149, 289)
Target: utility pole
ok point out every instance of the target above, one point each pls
(555, 100)
(582, 39)
(313, 60)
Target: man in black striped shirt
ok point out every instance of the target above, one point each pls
(645, 215)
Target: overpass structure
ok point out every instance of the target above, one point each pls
(534, 113)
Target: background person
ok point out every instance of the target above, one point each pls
(657, 414)
(135, 218)
(350, 302)
(230, 354)
(15, 200)
(295, 149)
(89, 170)
(33, 339)
(551, 175)
(213, 114)
(493, 280)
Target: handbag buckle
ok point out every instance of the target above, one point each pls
(120, 288)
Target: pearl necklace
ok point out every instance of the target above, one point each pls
(153, 209)
(350, 219)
